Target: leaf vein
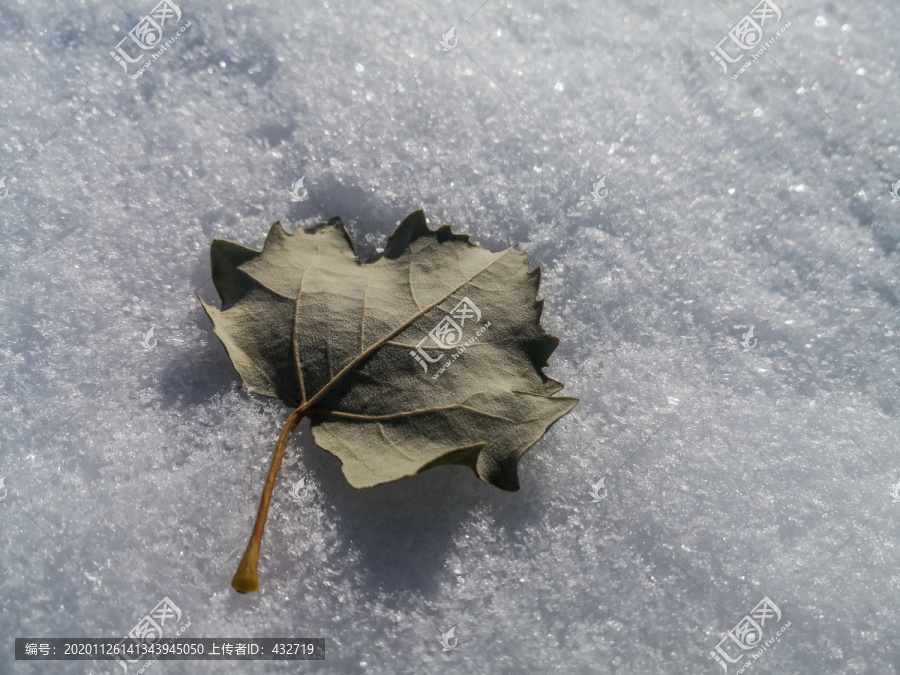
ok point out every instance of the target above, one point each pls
(449, 349)
(362, 323)
(350, 367)
(420, 411)
(412, 291)
(396, 447)
(345, 444)
(294, 345)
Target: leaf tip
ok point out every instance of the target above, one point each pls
(501, 473)
(411, 228)
(211, 310)
(276, 234)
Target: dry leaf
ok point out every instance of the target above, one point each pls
(430, 353)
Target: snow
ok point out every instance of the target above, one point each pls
(133, 473)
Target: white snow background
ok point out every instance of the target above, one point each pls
(132, 474)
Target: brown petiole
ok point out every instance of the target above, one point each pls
(245, 579)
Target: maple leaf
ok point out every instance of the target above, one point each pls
(430, 353)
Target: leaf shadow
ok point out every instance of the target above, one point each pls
(416, 533)
(368, 216)
(193, 378)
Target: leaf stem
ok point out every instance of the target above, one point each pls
(245, 579)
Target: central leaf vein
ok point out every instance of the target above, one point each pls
(350, 367)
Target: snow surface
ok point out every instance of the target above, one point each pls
(133, 474)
